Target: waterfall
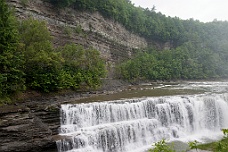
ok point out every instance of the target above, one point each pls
(125, 125)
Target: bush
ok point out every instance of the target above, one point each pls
(11, 59)
(161, 146)
(82, 67)
(42, 64)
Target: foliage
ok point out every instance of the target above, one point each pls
(161, 146)
(193, 144)
(225, 132)
(29, 59)
(11, 59)
(78, 29)
(205, 43)
(178, 63)
(43, 71)
(81, 67)
(145, 22)
(68, 31)
(71, 67)
(220, 146)
(199, 50)
(42, 64)
(33, 33)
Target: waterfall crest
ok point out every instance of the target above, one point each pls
(125, 125)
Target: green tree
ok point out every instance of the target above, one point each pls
(11, 59)
(81, 67)
(42, 64)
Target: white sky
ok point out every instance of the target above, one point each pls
(203, 10)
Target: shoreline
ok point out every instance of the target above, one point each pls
(109, 86)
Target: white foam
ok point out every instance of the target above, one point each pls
(134, 124)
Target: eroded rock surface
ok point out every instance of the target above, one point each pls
(88, 29)
(28, 127)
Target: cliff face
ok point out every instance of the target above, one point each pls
(88, 29)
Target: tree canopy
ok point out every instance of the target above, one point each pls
(49, 69)
(11, 59)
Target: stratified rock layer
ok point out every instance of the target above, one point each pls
(29, 127)
(88, 29)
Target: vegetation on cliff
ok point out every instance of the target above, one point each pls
(150, 24)
(28, 59)
(11, 59)
(175, 64)
(199, 51)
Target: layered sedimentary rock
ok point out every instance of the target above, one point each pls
(85, 28)
(28, 127)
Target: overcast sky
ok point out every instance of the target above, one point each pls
(203, 10)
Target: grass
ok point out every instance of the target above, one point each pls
(220, 146)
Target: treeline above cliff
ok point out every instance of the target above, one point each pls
(147, 22)
(200, 50)
(144, 22)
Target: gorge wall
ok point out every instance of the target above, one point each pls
(88, 29)
(67, 25)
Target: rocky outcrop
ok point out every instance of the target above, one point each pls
(85, 28)
(32, 125)
(28, 127)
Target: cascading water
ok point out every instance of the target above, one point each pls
(126, 125)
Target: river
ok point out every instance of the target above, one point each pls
(131, 121)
